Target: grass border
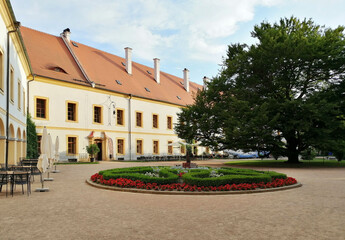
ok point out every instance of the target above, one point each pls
(319, 163)
(75, 163)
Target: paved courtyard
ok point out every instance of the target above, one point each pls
(74, 210)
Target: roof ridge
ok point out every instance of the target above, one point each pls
(91, 47)
(104, 67)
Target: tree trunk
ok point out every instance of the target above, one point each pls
(188, 158)
(292, 153)
(187, 163)
(293, 157)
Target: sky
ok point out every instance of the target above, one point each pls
(192, 34)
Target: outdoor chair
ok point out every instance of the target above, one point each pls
(22, 179)
(3, 181)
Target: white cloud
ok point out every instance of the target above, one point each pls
(182, 33)
(148, 26)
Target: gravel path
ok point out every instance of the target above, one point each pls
(74, 210)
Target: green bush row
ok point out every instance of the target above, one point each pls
(250, 172)
(137, 173)
(276, 175)
(127, 170)
(201, 179)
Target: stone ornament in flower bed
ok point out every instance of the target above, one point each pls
(201, 179)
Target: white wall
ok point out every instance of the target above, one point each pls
(17, 116)
(58, 126)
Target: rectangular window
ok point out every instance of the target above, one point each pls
(207, 150)
(139, 119)
(12, 84)
(183, 149)
(169, 122)
(155, 121)
(97, 114)
(121, 146)
(41, 108)
(72, 145)
(139, 147)
(39, 138)
(19, 91)
(71, 111)
(170, 147)
(24, 107)
(155, 147)
(120, 117)
(1, 71)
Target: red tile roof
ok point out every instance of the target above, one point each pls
(48, 54)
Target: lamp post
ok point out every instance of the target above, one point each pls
(16, 25)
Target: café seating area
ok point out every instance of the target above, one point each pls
(21, 175)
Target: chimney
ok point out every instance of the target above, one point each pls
(67, 34)
(206, 80)
(186, 79)
(157, 71)
(128, 51)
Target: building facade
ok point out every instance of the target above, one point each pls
(84, 95)
(15, 67)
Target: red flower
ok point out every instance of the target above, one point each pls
(128, 183)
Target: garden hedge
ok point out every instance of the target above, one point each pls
(201, 178)
(198, 177)
(166, 176)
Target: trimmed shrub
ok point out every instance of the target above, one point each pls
(276, 175)
(138, 173)
(197, 177)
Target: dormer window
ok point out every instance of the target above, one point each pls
(178, 97)
(118, 82)
(149, 72)
(58, 69)
(123, 64)
(75, 44)
(147, 90)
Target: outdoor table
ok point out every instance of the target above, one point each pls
(10, 176)
(29, 162)
(30, 169)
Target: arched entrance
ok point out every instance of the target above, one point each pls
(2, 142)
(18, 146)
(99, 143)
(11, 146)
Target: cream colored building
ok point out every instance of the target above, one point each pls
(84, 95)
(18, 70)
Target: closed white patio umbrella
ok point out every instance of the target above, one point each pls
(51, 156)
(43, 162)
(56, 153)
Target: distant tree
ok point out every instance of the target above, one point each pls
(31, 149)
(282, 94)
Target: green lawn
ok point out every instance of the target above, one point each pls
(74, 163)
(317, 162)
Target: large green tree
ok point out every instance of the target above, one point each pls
(282, 94)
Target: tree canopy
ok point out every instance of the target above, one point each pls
(283, 94)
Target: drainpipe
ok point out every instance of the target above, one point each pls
(28, 92)
(130, 126)
(16, 25)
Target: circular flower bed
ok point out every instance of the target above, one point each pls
(201, 179)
